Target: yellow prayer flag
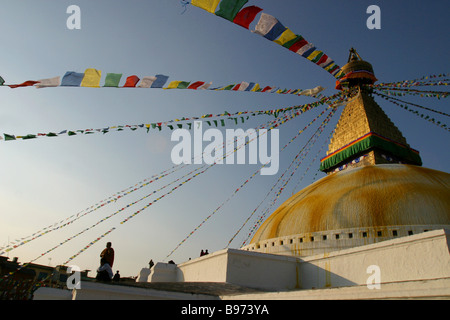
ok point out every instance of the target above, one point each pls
(208, 5)
(91, 78)
(286, 36)
(313, 55)
(173, 85)
(256, 88)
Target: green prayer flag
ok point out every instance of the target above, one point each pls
(29, 136)
(9, 137)
(112, 79)
(1, 81)
(71, 133)
(228, 9)
(229, 87)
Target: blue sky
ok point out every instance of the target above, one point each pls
(45, 180)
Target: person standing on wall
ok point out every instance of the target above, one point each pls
(108, 254)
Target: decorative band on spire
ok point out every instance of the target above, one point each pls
(369, 141)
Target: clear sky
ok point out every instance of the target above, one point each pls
(46, 180)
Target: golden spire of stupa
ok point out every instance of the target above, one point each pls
(364, 134)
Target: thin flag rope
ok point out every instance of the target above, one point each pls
(178, 123)
(417, 113)
(423, 81)
(101, 204)
(386, 97)
(261, 218)
(414, 92)
(325, 143)
(169, 192)
(231, 196)
(68, 221)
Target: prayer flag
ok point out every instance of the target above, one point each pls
(72, 79)
(1, 81)
(246, 16)
(196, 85)
(131, 82)
(306, 48)
(112, 79)
(206, 86)
(147, 82)
(269, 27)
(298, 44)
(324, 60)
(50, 82)
(160, 81)
(228, 9)
(242, 86)
(315, 56)
(178, 85)
(265, 24)
(9, 137)
(250, 86)
(208, 5)
(286, 36)
(24, 84)
(256, 88)
(91, 78)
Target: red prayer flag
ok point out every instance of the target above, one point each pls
(246, 16)
(297, 45)
(25, 84)
(195, 85)
(131, 82)
(322, 59)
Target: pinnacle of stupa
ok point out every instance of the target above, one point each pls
(364, 134)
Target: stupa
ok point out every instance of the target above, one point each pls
(375, 188)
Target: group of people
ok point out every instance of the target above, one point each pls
(204, 253)
(105, 272)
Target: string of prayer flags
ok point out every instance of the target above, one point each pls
(270, 28)
(101, 204)
(194, 173)
(412, 104)
(188, 121)
(91, 78)
(298, 159)
(273, 125)
(421, 115)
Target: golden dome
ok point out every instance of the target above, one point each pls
(364, 197)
